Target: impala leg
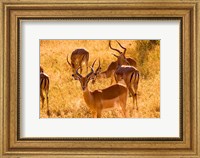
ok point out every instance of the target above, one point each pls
(130, 90)
(94, 114)
(128, 85)
(136, 100)
(43, 103)
(47, 95)
(42, 97)
(123, 112)
(133, 95)
(123, 109)
(123, 100)
(98, 113)
(136, 88)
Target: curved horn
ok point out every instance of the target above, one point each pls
(93, 63)
(122, 47)
(115, 55)
(79, 75)
(99, 66)
(92, 71)
(68, 61)
(113, 48)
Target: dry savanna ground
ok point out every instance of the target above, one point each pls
(65, 94)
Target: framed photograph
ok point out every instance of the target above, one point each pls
(99, 79)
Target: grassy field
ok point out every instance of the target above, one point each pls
(66, 96)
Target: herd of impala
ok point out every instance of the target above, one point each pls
(123, 69)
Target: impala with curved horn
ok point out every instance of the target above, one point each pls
(121, 60)
(79, 57)
(131, 77)
(98, 100)
(44, 87)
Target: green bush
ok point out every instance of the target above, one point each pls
(148, 57)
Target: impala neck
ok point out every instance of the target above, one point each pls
(88, 97)
(103, 74)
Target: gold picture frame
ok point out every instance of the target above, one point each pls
(11, 13)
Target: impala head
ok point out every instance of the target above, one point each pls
(85, 80)
(97, 72)
(121, 57)
(41, 70)
(73, 65)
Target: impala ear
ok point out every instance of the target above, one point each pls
(93, 81)
(75, 76)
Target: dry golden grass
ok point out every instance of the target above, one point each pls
(66, 96)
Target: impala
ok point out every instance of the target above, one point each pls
(98, 100)
(44, 87)
(79, 57)
(121, 60)
(131, 77)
